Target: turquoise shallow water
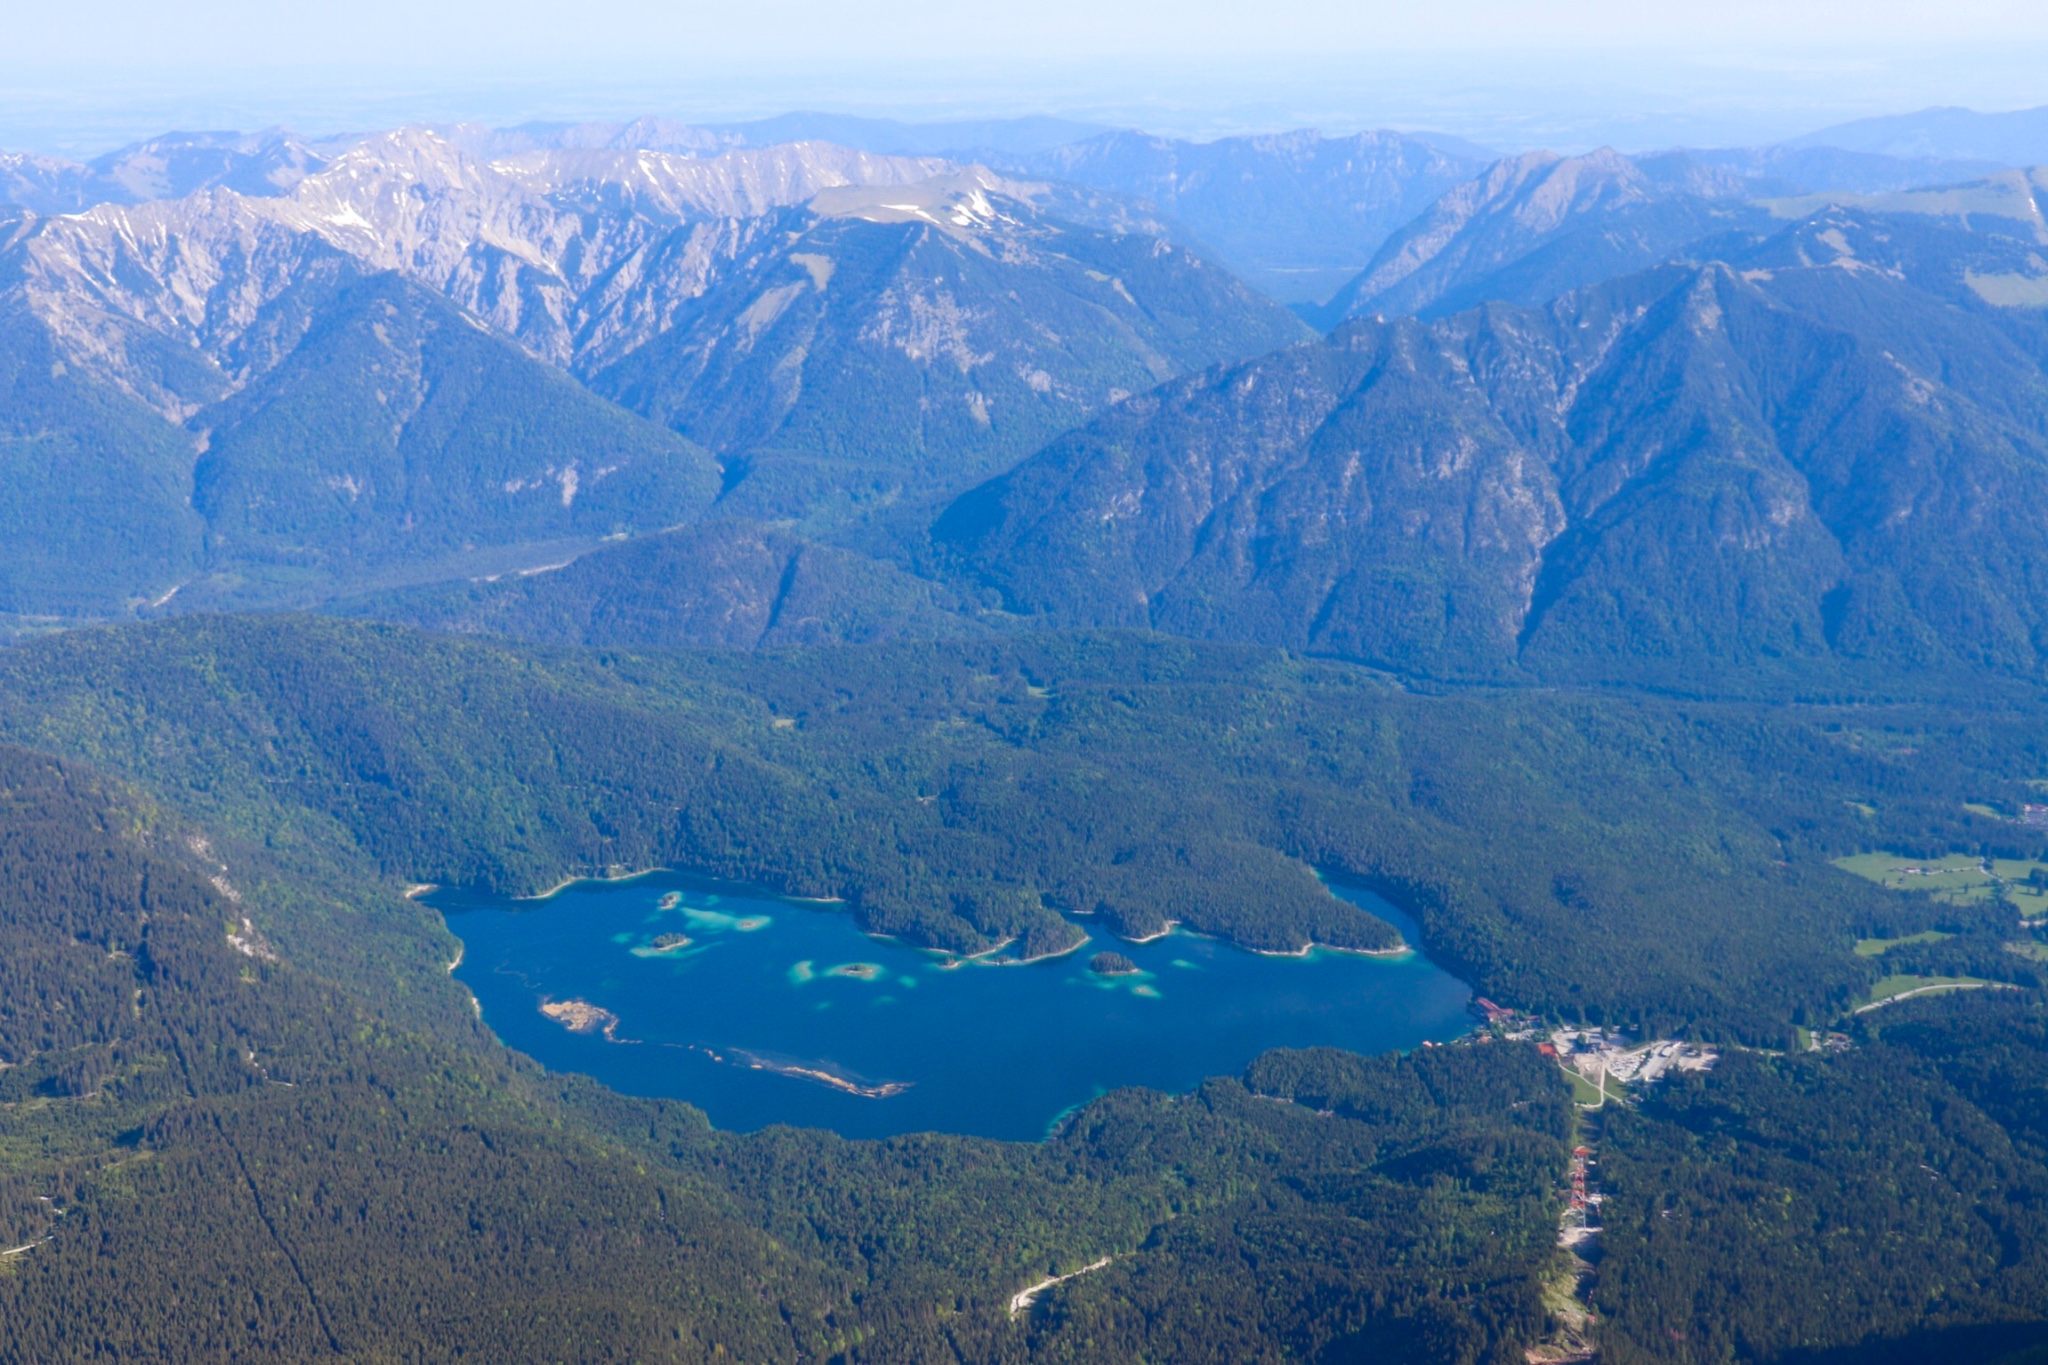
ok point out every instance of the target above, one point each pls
(777, 1012)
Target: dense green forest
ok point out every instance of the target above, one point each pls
(251, 1114)
(1805, 1204)
(1617, 860)
(219, 1155)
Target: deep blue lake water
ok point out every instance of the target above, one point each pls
(765, 1011)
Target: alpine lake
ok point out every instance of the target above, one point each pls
(761, 1010)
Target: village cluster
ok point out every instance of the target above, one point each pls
(1600, 1056)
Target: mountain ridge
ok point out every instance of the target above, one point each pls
(1645, 478)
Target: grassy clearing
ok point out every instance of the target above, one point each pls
(2029, 896)
(1877, 947)
(1583, 1090)
(1958, 878)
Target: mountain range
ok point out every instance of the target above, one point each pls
(378, 366)
(1822, 454)
(901, 395)
(167, 167)
(1533, 227)
(882, 344)
(1296, 214)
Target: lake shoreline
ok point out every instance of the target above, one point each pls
(997, 1054)
(1311, 948)
(1405, 948)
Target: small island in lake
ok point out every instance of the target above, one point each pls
(1112, 964)
(580, 1016)
(664, 944)
(822, 1073)
(859, 971)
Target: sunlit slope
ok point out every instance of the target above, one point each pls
(1813, 463)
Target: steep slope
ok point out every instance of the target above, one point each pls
(724, 583)
(293, 444)
(1530, 228)
(568, 253)
(396, 428)
(324, 425)
(894, 345)
(1295, 214)
(333, 427)
(1822, 461)
(95, 486)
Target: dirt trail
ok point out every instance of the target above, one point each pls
(1022, 1300)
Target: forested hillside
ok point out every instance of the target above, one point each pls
(1887, 1198)
(727, 582)
(214, 1154)
(357, 424)
(1612, 859)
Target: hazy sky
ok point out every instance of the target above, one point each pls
(245, 32)
(79, 75)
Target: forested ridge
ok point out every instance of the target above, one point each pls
(1611, 858)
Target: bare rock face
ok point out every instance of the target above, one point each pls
(578, 255)
(366, 356)
(923, 336)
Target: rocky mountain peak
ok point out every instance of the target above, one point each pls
(962, 202)
(561, 250)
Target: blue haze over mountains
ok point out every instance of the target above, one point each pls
(818, 377)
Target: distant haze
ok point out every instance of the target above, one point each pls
(1570, 74)
(472, 33)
